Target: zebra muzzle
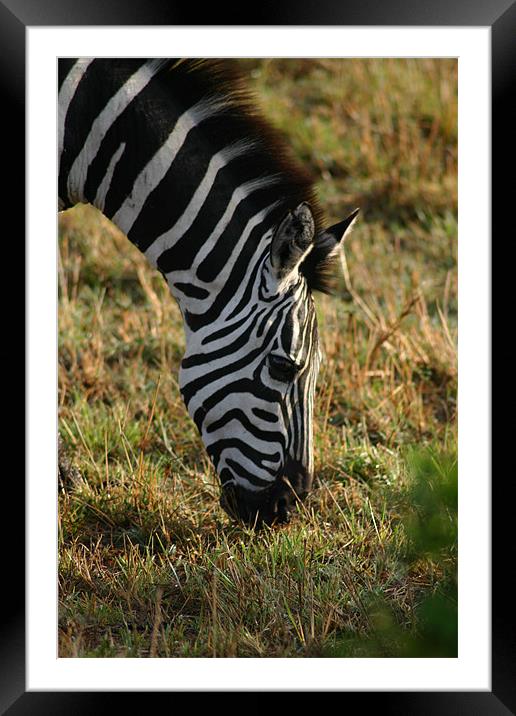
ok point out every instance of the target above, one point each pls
(273, 505)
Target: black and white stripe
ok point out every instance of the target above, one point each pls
(173, 152)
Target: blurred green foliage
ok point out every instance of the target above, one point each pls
(429, 520)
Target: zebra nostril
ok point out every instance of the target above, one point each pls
(282, 511)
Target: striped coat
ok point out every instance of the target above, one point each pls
(174, 153)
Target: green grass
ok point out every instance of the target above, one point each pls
(149, 565)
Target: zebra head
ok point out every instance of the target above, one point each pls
(248, 380)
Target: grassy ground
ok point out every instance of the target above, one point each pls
(149, 565)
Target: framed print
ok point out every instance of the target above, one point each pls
(471, 667)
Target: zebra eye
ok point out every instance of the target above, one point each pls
(282, 368)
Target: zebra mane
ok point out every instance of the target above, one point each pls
(222, 81)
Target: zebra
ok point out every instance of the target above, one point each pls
(176, 155)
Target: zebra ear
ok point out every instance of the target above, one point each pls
(319, 266)
(329, 240)
(292, 240)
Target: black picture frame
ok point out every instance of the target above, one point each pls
(15, 17)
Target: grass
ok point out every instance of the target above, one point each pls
(149, 565)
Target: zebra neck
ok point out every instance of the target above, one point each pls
(171, 153)
(210, 254)
(210, 247)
